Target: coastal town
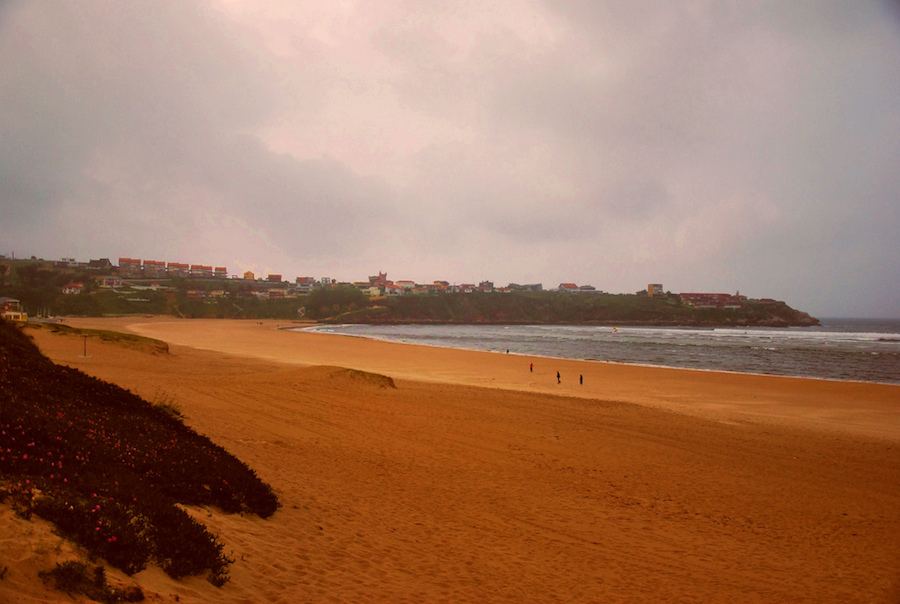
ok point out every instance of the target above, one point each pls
(201, 282)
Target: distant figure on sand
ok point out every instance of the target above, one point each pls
(557, 378)
(531, 368)
(581, 380)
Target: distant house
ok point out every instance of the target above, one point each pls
(111, 281)
(103, 264)
(406, 284)
(394, 290)
(130, 267)
(221, 272)
(11, 310)
(304, 284)
(568, 287)
(72, 288)
(273, 278)
(179, 269)
(201, 270)
(655, 289)
(154, 269)
(249, 276)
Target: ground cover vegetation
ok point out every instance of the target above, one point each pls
(77, 577)
(107, 468)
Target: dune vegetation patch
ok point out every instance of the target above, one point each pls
(107, 467)
(374, 379)
(124, 339)
(77, 577)
(341, 375)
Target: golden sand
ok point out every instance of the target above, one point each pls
(476, 479)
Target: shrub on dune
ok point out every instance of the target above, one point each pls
(107, 467)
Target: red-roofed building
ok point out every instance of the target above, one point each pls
(179, 269)
(129, 267)
(72, 288)
(154, 269)
(201, 270)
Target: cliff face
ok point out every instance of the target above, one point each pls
(564, 308)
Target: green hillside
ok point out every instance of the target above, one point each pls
(567, 308)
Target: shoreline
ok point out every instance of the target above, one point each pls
(619, 363)
(469, 479)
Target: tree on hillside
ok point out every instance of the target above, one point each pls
(329, 301)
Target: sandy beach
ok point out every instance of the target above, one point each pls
(415, 474)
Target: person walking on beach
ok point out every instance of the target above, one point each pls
(557, 378)
(531, 368)
(581, 380)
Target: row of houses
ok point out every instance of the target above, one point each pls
(134, 268)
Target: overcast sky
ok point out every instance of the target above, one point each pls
(705, 145)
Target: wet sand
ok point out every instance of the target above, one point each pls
(475, 479)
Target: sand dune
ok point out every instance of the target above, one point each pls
(465, 477)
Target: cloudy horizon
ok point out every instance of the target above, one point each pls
(706, 145)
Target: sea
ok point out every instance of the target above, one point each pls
(864, 350)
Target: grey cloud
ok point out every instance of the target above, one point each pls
(727, 145)
(123, 107)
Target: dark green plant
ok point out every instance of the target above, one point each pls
(107, 467)
(76, 577)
